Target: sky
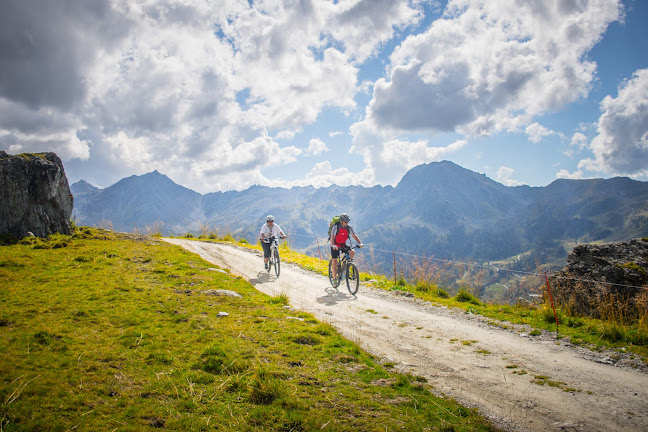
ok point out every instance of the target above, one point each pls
(224, 94)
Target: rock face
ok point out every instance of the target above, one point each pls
(599, 280)
(34, 195)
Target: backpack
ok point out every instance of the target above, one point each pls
(334, 221)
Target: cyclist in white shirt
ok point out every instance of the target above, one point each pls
(269, 229)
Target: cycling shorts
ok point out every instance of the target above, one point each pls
(335, 253)
(266, 249)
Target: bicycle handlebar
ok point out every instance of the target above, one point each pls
(273, 238)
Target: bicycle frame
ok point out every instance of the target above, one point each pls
(345, 269)
(274, 261)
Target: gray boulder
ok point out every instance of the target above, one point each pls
(605, 280)
(34, 195)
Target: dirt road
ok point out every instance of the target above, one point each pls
(462, 355)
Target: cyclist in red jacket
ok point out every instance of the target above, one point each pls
(340, 240)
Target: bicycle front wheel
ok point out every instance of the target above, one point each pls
(334, 282)
(277, 262)
(352, 278)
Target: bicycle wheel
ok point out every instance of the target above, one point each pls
(334, 282)
(277, 262)
(352, 278)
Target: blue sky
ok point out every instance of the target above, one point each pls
(221, 95)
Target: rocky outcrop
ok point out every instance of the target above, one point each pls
(605, 279)
(34, 195)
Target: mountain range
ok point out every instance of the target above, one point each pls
(438, 209)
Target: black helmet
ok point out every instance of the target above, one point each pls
(344, 217)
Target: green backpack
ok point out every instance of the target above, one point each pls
(334, 221)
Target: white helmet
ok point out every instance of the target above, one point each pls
(270, 218)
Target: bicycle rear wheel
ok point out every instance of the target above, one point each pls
(352, 278)
(334, 282)
(277, 262)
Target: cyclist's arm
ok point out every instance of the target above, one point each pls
(334, 231)
(355, 237)
(281, 233)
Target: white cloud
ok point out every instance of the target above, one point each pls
(578, 143)
(23, 129)
(190, 88)
(323, 175)
(536, 132)
(565, 174)
(491, 66)
(202, 90)
(285, 135)
(621, 146)
(504, 176)
(483, 68)
(363, 25)
(316, 147)
(389, 156)
(406, 155)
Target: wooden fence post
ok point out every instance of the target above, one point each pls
(553, 306)
(318, 248)
(394, 252)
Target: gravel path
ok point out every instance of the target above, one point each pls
(464, 356)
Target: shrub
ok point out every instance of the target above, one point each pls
(8, 240)
(441, 293)
(216, 361)
(464, 296)
(422, 286)
(548, 316)
(574, 322)
(280, 299)
(613, 332)
(265, 388)
(306, 340)
(401, 382)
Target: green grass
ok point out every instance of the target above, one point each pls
(112, 332)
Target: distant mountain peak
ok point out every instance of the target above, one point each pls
(445, 174)
(82, 186)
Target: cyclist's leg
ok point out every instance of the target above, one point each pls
(335, 254)
(266, 252)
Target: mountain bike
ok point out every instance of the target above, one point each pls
(348, 270)
(274, 261)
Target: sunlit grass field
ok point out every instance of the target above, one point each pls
(104, 331)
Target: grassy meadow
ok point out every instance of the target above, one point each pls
(116, 332)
